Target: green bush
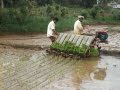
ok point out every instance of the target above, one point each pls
(101, 12)
(49, 10)
(84, 13)
(33, 24)
(94, 11)
(53, 11)
(101, 15)
(116, 14)
(15, 15)
(13, 18)
(94, 52)
(65, 24)
(25, 18)
(56, 10)
(64, 12)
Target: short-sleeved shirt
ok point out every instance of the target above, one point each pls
(50, 28)
(78, 29)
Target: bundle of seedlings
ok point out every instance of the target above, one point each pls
(69, 49)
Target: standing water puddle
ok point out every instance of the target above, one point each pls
(47, 72)
(91, 74)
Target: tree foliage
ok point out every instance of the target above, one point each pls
(81, 3)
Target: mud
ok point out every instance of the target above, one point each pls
(93, 74)
(26, 69)
(41, 41)
(35, 70)
(30, 41)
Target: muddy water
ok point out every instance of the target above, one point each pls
(34, 70)
(91, 74)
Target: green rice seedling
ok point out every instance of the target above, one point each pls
(70, 48)
(94, 52)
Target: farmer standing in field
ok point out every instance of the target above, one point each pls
(51, 32)
(78, 28)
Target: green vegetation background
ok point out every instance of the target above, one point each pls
(27, 16)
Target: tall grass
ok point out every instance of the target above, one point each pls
(65, 24)
(33, 24)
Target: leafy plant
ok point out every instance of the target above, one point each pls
(84, 13)
(94, 52)
(69, 47)
(94, 11)
(64, 11)
(116, 14)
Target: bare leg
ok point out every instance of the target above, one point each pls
(52, 38)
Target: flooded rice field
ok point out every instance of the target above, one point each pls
(35, 70)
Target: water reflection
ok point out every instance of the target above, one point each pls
(83, 70)
(104, 77)
(91, 74)
(99, 74)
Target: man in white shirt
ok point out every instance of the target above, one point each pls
(78, 28)
(51, 32)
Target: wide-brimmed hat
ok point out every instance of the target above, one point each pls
(81, 17)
